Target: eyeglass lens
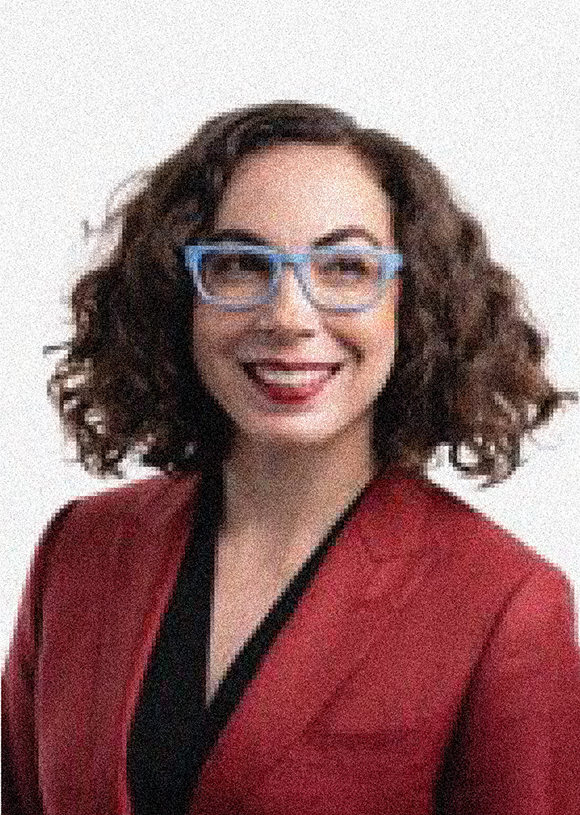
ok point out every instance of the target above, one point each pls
(344, 279)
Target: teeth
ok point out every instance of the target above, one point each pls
(291, 378)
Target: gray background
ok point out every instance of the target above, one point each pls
(93, 92)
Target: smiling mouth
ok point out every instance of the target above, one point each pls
(271, 377)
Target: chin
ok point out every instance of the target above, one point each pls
(293, 433)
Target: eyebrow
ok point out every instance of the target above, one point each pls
(332, 237)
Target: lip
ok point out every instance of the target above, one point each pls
(290, 397)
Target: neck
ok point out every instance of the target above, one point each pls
(283, 500)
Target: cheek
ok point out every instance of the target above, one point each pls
(379, 354)
(378, 334)
(379, 364)
(215, 338)
(208, 333)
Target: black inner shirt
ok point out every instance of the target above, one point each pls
(173, 730)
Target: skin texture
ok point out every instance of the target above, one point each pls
(294, 468)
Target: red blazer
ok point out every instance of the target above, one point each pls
(432, 668)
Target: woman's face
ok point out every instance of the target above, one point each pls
(289, 196)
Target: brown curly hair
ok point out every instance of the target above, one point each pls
(468, 364)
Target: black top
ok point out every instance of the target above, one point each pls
(174, 731)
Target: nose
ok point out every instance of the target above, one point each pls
(290, 307)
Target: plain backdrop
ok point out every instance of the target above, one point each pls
(94, 92)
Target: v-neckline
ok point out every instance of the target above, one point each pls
(246, 663)
(172, 713)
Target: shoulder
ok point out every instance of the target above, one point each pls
(470, 547)
(474, 576)
(474, 535)
(136, 498)
(116, 515)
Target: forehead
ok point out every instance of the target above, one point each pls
(294, 193)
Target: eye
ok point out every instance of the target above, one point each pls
(235, 265)
(351, 267)
(346, 266)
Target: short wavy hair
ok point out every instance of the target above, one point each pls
(468, 363)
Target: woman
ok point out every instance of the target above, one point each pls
(292, 617)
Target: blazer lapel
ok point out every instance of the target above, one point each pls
(159, 532)
(324, 642)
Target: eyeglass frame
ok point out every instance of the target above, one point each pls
(391, 262)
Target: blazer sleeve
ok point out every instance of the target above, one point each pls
(20, 780)
(516, 750)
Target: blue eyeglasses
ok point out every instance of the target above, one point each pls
(239, 276)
